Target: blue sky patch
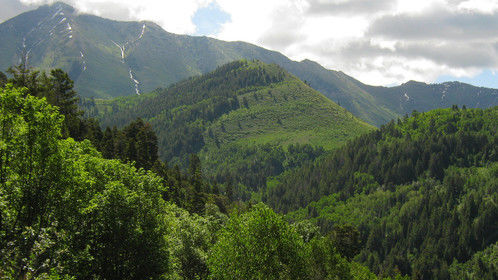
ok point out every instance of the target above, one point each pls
(208, 20)
(486, 79)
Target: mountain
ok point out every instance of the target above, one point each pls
(246, 120)
(422, 97)
(108, 58)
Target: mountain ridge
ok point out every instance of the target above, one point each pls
(109, 58)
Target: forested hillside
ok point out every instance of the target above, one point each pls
(421, 193)
(398, 153)
(247, 120)
(68, 213)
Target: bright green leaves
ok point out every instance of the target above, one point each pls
(125, 235)
(116, 218)
(29, 165)
(258, 245)
(66, 210)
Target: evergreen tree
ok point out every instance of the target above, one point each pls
(3, 79)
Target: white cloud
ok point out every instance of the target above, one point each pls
(481, 6)
(441, 38)
(173, 15)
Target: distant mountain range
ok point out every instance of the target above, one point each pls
(109, 58)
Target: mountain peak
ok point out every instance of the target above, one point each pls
(414, 83)
(310, 62)
(58, 7)
(61, 5)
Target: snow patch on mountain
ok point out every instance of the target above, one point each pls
(83, 60)
(122, 49)
(135, 82)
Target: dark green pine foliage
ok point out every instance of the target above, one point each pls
(195, 174)
(3, 79)
(137, 142)
(260, 162)
(420, 192)
(425, 144)
(427, 229)
(58, 89)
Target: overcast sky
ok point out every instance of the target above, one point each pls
(380, 42)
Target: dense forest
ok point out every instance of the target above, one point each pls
(67, 212)
(415, 199)
(421, 192)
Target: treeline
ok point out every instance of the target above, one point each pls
(66, 212)
(425, 144)
(57, 88)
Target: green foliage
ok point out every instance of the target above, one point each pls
(119, 230)
(420, 193)
(3, 79)
(422, 228)
(415, 198)
(58, 90)
(68, 213)
(346, 240)
(482, 265)
(64, 207)
(190, 239)
(423, 145)
(30, 185)
(136, 142)
(325, 261)
(258, 245)
(251, 166)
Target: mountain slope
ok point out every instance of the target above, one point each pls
(421, 97)
(426, 143)
(422, 193)
(240, 105)
(108, 58)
